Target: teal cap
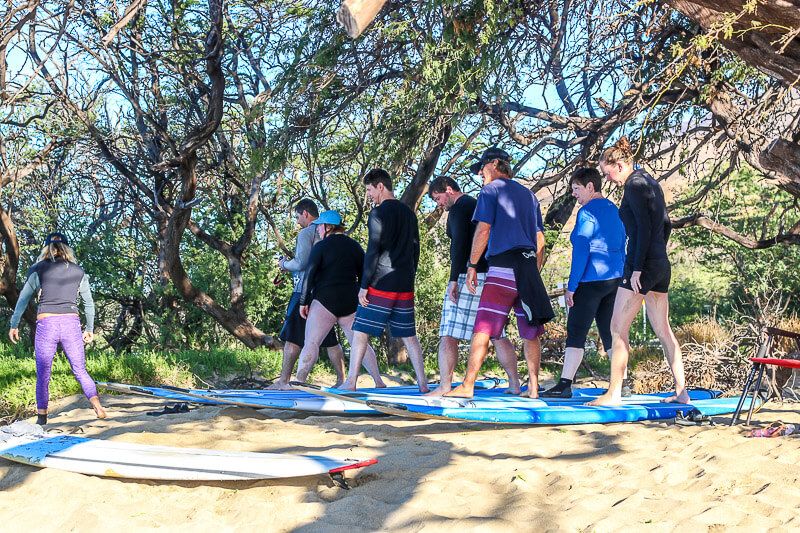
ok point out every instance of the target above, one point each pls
(329, 217)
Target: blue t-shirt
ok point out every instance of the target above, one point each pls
(598, 244)
(514, 214)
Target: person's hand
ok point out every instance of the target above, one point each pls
(568, 298)
(280, 263)
(88, 337)
(472, 280)
(636, 283)
(304, 311)
(452, 291)
(362, 297)
(13, 334)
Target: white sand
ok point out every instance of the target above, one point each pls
(431, 476)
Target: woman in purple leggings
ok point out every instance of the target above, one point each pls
(60, 280)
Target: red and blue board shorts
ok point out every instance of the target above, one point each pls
(498, 298)
(385, 307)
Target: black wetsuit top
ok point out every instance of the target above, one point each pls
(392, 254)
(332, 275)
(644, 213)
(461, 230)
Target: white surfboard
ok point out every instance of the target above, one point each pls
(24, 443)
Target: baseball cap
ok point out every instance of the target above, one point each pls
(329, 217)
(55, 237)
(489, 155)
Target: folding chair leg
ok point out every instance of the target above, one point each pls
(755, 393)
(745, 390)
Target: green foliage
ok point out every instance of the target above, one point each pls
(146, 367)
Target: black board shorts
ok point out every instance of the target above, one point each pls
(656, 276)
(294, 327)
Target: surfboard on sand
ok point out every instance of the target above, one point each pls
(494, 398)
(554, 413)
(295, 400)
(25, 443)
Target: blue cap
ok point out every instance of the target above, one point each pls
(487, 157)
(329, 217)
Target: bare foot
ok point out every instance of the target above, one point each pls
(530, 392)
(348, 385)
(280, 385)
(462, 391)
(379, 384)
(514, 391)
(682, 397)
(424, 389)
(606, 399)
(98, 409)
(438, 391)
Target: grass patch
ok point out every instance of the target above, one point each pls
(181, 369)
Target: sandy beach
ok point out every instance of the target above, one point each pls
(431, 476)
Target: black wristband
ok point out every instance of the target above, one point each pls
(472, 265)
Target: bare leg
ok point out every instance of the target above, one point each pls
(507, 356)
(448, 355)
(336, 356)
(370, 359)
(478, 349)
(572, 360)
(658, 314)
(319, 323)
(417, 361)
(626, 307)
(358, 347)
(291, 352)
(533, 357)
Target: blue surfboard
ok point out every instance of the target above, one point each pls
(546, 411)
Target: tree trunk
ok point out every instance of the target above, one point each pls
(415, 190)
(770, 47)
(760, 46)
(10, 267)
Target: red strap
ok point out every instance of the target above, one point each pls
(787, 363)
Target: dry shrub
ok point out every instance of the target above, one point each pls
(705, 331)
(717, 362)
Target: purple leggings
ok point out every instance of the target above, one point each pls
(50, 331)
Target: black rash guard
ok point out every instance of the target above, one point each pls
(644, 214)
(393, 249)
(332, 275)
(461, 230)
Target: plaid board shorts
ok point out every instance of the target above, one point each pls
(498, 298)
(458, 319)
(385, 307)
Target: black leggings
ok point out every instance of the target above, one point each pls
(594, 300)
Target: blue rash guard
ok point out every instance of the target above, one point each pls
(598, 244)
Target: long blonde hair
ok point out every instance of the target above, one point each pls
(57, 250)
(620, 152)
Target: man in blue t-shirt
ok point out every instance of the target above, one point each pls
(511, 232)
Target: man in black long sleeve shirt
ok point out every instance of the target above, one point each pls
(387, 285)
(461, 306)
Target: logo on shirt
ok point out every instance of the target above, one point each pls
(528, 255)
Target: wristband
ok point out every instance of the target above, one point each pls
(472, 265)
